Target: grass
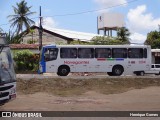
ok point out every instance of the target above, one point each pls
(70, 87)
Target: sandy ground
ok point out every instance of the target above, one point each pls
(147, 99)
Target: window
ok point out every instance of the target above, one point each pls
(86, 53)
(50, 54)
(157, 66)
(68, 53)
(119, 53)
(135, 52)
(145, 53)
(102, 53)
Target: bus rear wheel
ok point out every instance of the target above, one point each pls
(140, 73)
(63, 71)
(117, 70)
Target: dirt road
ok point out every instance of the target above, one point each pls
(147, 99)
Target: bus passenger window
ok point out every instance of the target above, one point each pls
(119, 53)
(102, 53)
(68, 53)
(86, 53)
(135, 52)
(145, 53)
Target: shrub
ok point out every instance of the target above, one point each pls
(26, 60)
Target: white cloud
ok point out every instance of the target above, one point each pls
(49, 22)
(137, 38)
(141, 21)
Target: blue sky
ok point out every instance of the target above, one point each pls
(141, 16)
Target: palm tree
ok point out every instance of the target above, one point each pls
(1, 30)
(20, 18)
(123, 34)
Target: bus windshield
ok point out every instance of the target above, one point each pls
(7, 73)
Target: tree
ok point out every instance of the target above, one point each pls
(123, 34)
(152, 36)
(13, 38)
(103, 40)
(156, 44)
(1, 30)
(21, 17)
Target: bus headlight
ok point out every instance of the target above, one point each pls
(13, 91)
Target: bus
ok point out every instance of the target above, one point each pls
(7, 73)
(111, 59)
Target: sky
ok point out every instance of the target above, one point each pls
(141, 16)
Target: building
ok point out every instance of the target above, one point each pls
(56, 36)
(50, 36)
(155, 56)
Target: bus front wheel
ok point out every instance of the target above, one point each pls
(63, 71)
(117, 70)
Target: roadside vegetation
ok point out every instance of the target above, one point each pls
(26, 61)
(73, 87)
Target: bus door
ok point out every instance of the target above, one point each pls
(50, 56)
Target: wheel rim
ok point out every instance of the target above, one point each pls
(64, 71)
(142, 73)
(118, 71)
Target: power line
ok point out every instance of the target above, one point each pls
(89, 11)
(84, 12)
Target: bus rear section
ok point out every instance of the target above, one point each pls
(112, 59)
(7, 75)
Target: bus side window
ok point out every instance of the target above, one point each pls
(102, 53)
(135, 52)
(68, 52)
(51, 54)
(119, 53)
(145, 53)
(86, 53)
(46, 55)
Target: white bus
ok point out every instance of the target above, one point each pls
(112, 59)
(7, 74)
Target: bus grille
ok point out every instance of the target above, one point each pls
(6, 88)
(5, 94)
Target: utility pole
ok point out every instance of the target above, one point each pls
(40, 30)
(159, 28)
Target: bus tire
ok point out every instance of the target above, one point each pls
(139, 73)
(63, 70)
(110, 73)
(117, 70)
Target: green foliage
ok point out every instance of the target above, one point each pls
(12, 38)
(156, 44)
(123, 34)
(103, 40)
(153, 39)
(31, 41)
(77, 42)
(21, 15)
(26, 60)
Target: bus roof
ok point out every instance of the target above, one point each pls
(155, 50)
(100, 46)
